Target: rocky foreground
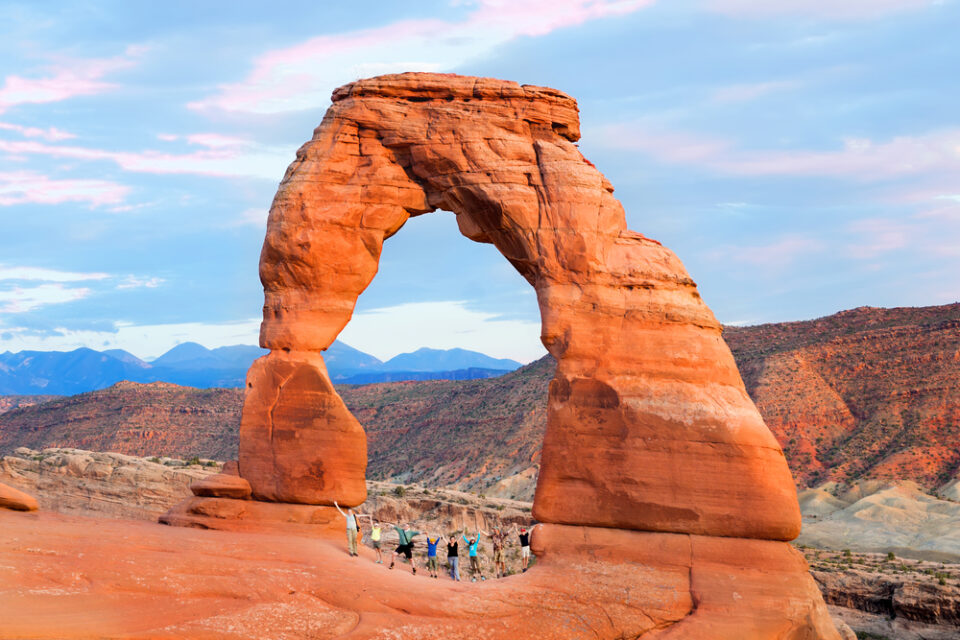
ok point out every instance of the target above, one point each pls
(894, 597)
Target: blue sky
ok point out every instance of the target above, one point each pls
(800, 156)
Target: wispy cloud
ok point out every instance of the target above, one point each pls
(776, 255)
(51, 134)
(876, 236)
(22, 299)
(65, 80)
(239, 159)
(864, 159)
(134, 282)
(751, 91)
(818, 9)
(26, 187)
(48, 275)
(302, 76)
(144, 340)
(442, 325)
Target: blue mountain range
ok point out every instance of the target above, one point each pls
(191, 364)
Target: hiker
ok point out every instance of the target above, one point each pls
(375, 534)
(453, 556)
(498, 537)
(524, 536)
(472, 545)
(404, 547)
(433, 565)
(353, 528)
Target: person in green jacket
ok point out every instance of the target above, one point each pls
(404, 547)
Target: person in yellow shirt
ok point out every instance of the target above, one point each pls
(375, 534)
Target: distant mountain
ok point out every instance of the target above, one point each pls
(471, 373)
(63, 373)
(863, 394)
(192, 364)
(447, 360)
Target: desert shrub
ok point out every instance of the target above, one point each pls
(891, 555)
(400, 491)
(154, 460)
(191, 461)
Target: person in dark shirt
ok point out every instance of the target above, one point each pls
(524, 535)
(453, 556)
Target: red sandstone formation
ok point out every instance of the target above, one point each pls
(649, 426)
(653, 454)
(16, 500)
(222, 485)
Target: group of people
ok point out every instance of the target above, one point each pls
(404, 549)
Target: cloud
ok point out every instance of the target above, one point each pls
(816, 9)
(26, 187)
(775, 255)
(145, 340)
(22, 299)
(65, 80)
(51, 134)
(302, 76)
(240, 159)
(936, 152)
(48, 275)
(876, 236)
(389, 331)
(746, 92)
(253, 217)
(133, 282)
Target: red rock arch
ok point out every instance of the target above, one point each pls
(649, 425)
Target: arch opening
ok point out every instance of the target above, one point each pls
(649, 426)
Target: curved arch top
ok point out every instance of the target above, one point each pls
(649, 425)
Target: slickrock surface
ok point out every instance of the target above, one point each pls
(67, 577)
(16, 500)
(109, 484)
(662, 437)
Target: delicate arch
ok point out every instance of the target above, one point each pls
(649, 426)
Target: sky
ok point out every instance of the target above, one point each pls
(800, 157)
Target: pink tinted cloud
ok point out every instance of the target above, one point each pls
(22, 299)
(65, 80)
(302, 76)
(876, 236)
(51, 134)
(775, 255)
(25, 187)
(829, 9)
(933, 153)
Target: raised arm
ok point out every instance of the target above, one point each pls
(338, 509)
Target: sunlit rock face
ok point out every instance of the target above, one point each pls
(649, 425)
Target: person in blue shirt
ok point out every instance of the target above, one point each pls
(433, 565)
(472, 544)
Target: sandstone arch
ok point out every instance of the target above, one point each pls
(649, 425)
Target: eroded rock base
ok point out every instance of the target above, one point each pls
(586, 583)
(231, 514)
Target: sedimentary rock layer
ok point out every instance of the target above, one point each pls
(649, 426)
